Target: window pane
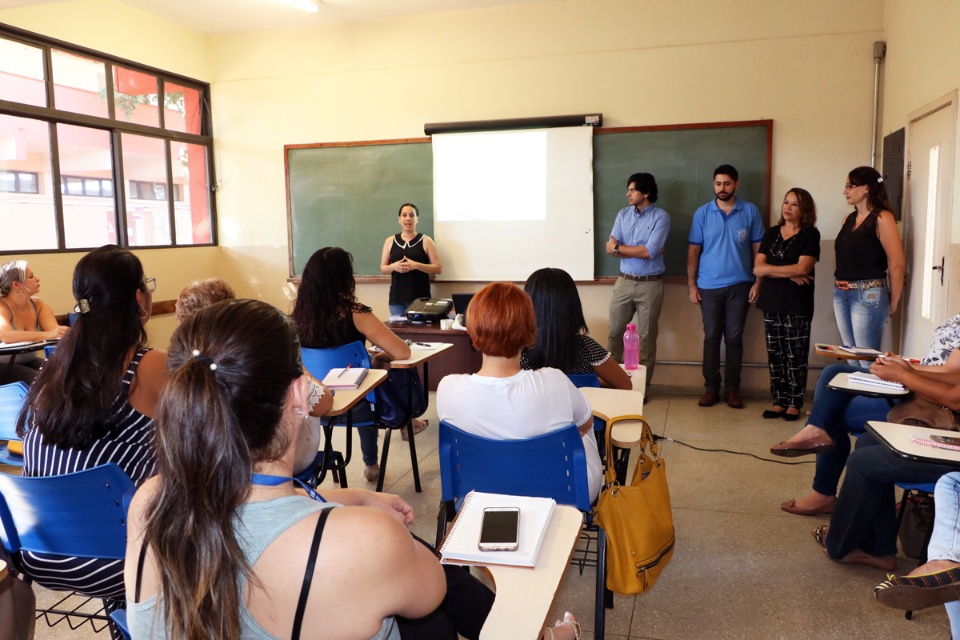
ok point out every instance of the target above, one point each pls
(21, 73)
(79, 84)
(85, 159)
(135, 97)
(28, 183)
(25, 147)
(91, 187)
(181, 108)
(144, 160)
(191, 194)
(8, 182)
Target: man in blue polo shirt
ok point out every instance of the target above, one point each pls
(724, 239)
(638, 236)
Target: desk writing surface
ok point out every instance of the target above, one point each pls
(899, 439)
(345, 399)
(843, 382)
(420, 355)
(524, 596)
(613, 404)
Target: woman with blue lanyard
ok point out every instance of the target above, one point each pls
(222, 544)
(409, 258)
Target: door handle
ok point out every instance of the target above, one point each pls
(940, 269)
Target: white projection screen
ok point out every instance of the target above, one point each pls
(507, 203)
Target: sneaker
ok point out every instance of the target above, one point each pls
(418, 426)
(371, 472)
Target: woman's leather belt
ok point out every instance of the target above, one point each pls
(860, 284)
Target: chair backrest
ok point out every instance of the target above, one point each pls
(553, 465)
(581, 380)
(82, 514)
(11, 401)
(319, 361)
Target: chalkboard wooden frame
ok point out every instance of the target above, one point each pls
(679, 198)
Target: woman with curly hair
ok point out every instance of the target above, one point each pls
(327, 314)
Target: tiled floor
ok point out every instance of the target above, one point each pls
(742, 567)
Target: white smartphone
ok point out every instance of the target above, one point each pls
(500, 530)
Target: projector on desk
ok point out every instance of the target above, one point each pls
(429, 309)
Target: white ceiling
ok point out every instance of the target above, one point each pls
(217, 17)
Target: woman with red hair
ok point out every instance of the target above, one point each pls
(501, 401)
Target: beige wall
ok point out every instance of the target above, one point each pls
(808, 66)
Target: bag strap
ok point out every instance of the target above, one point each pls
(646, 440)
(308, 574)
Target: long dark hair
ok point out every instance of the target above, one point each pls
(876, 193)
(72, 399)
(326, 296)
(218, 416)
(808, 208)
(560, 320)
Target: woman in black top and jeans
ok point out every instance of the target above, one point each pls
(785, 261)
(409, 258)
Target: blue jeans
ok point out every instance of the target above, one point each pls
(945, 541)
(724, 313)
(861, 314)
(398, 309)
(865, 517)
(839, 414)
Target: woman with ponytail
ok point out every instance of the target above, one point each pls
(93, 402)
(221, 544)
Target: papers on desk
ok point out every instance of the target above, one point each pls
(461, 545)
(873, 381)
(345, 378)
(17, 345)
(400, 318)
(860, 351)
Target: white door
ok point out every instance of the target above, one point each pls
(930, 149)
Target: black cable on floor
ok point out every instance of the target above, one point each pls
(739, 453)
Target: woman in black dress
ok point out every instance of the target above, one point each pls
(409, 258)
(785, 262)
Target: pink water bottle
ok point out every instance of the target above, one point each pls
(631, 347)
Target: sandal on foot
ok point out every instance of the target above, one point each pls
(919, 592)
(418, 426)
(567, 619)
(820, 535)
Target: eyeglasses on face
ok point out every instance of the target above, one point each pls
(849, 185)
(150, 284)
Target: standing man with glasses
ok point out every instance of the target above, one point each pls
(723, 243)
(638, 236)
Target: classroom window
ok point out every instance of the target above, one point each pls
(121, 154)
(21, 73)
(26, 202)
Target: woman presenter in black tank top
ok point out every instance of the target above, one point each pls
(409, 258)
(870, 262)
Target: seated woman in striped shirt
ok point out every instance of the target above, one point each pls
(94, 402)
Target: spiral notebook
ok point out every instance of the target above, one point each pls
(933, 443)
(461, 545)
(873, 381)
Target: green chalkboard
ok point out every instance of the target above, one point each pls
(682, 161)
(348, 194)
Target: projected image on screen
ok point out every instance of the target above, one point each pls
(507, 203)
(509, 169)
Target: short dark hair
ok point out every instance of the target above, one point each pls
(727, 170)
(416, 211)
(646, 184)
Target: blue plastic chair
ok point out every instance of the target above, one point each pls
(581, 380)
(553, 465)
(319, 362)
(11, 401)
(81, 514)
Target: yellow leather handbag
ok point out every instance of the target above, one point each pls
(636, 518)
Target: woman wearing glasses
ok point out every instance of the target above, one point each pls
(869, 249)
(94, 402)
(785, 261)
(24, 318)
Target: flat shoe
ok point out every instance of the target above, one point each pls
(790, 506)
(919, 592)
(790, 417)
(817, 444)
(820, 535)
(771, 414)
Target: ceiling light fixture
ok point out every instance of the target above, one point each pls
(305, 5)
